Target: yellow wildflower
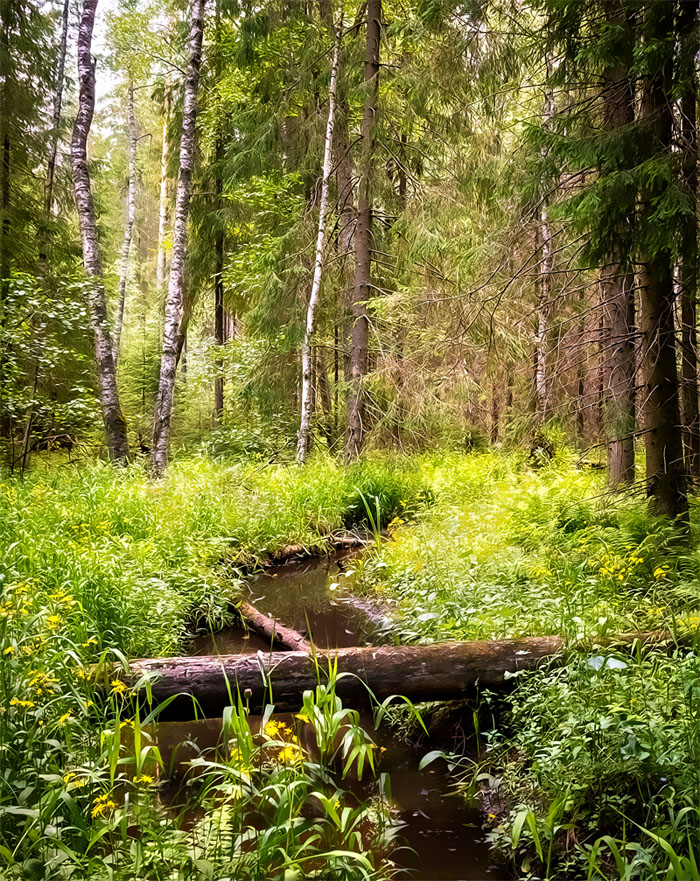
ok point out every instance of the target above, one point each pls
(26, 705)
(289, 754)
(118, 686)
(53, 622)
(103, 804)
(302, 717)
(10, 650)
(272, 728)
(64, 718)
(144, 778)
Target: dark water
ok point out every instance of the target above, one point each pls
(441, 832)
(313, 596)
(441, 835)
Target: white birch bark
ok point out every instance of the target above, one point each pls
(115, 426)
(129, 224)
(175, 300)
(306, 385)
(163, 211)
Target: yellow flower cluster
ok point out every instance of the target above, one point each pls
(62, 598)
(144, 778)
(274, 728)
(103, 804)
(25, 705)
(290, 753)
(42, 682)
(618, 568)
(74, 781)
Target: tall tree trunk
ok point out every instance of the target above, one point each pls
(115, 426)
(689, 244)
(175, 300)
(305, 421)
(544, 299)
(219, 311)
(219, 250)
(617, 281)
(129, 225)
(359, 343)
(164, 203)
(55, 124)
(665, 475)
(5, 227)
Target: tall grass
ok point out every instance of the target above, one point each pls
(103, 565)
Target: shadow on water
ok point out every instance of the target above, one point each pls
(441, 836)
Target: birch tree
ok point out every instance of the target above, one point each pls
(129, 222)
(306, 384)
(175, 300)
(115, 425)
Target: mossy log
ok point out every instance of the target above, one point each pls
(283, 637)
(438, 672)
(444, 671)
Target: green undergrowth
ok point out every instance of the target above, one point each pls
(596, 761)
(508, 550)
(100, 564)
(598, 767)
(143, 558)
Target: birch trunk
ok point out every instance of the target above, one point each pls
(175, 300)
(115, 426)
(359, 341)
(544, 298)
(306, 395)
(129, 225)
(163, 212)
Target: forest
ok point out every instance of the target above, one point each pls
(349, 440)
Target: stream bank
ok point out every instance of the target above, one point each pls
(441, 835)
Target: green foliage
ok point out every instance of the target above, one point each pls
(609, 744)
(511, 550)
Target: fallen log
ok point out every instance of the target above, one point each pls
(321, 548)
(444, 671)
(284, 637)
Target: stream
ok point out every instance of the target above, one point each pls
(441, 834)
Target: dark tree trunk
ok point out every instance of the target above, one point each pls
(219, 247)
(544, 298)
(617, 281)
(689, 243)
(115, 425)
(359, 342)
(174, 307)
(219, 312)
(666, 485)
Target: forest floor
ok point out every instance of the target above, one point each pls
(99, 563)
